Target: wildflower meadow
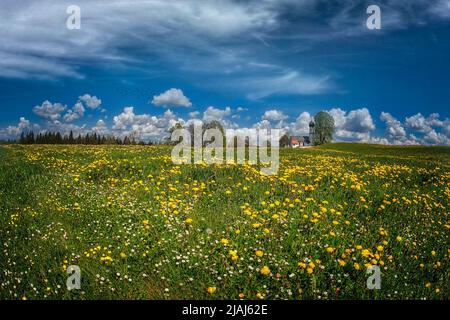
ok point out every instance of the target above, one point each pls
(139, 226)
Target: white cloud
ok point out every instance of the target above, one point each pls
(394, 128)
(376, 140)
(301, 124)
(144, 126)
(419, 123)
(356, 124)
(172, 98)
(353, 125)
(288, 82)
(265, 124)
(75, 113)
(101, 128)
(13, 132)
(436, 138)
(49, 111)
(440, 8)
(91, 102)
(194, 114)
(212, 113)
(396, 131)
(223, 34)
(446, 128)
(123, 120)
(274, 115)
(159, 27)
(66, 128)
(27, 66)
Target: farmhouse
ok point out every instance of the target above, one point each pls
(303, 141)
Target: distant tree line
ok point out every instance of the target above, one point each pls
(89, 138)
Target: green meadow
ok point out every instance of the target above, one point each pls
(140, 227)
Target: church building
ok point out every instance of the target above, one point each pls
(304, 141)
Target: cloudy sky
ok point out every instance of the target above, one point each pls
(140, 66)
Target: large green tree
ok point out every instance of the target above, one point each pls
(284, 141)
(324, 128)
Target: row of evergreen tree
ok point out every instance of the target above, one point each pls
(57, 138)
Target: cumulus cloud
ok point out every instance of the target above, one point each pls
(376, 140)
(91, 102)
(172, 98)
(419, 123)
(75, 113)
(425, 126)
(21, 126)
(13, 132)
(144, 126)
(301, 124)
(446, 128)
(194, 114)
(352, 125)
(212, 113)
(356, 124)
(66, 128)
(123, 120)
(435, 138)
(394, 127)
(101, 128)
(396, 131)
(274, 115)
(49, 111)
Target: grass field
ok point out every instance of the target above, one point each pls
(140, 227)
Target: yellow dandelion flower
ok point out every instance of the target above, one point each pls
(211, 290)
(265, 271)
(366, 253)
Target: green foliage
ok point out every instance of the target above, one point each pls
(87, 139)
(284, 141)
(324, 128)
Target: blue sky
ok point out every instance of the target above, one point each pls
(140, 66)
